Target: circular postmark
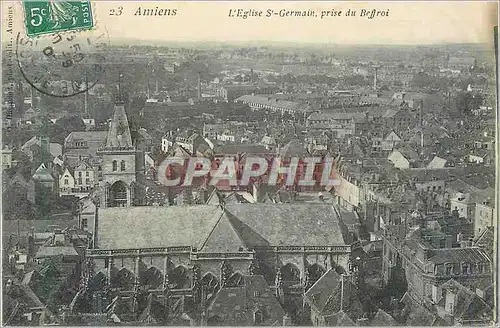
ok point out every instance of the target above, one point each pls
(63, 64)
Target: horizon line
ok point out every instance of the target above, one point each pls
(437, 43)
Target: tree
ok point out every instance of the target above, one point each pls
(65, 126)
(17, 136)
(45, 200)
(16, 205)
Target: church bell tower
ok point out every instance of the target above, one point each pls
(118, 184)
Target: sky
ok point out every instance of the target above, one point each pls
(407, 22)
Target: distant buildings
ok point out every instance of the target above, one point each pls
(231, 92)
(189, 140)
(461, 62)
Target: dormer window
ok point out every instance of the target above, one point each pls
(258, 317)
(449, 269)
(465, 269)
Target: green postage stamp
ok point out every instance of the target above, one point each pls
(45, 17)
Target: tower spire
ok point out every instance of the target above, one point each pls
(119, 99)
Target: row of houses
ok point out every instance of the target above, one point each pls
(272, 104)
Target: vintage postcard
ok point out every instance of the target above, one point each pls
(249, 163)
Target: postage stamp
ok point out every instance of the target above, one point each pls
(45, 17)
(62, 51)
(249, 163)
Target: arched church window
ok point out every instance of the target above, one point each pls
(115, 165)
(122, 165)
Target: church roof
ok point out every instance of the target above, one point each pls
(284, 224)
(155, 226)
(119, 131)
(213, 228)
(231, 241)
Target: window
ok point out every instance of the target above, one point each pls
(122, 165)
(87, 173)
(80, 181)
(99, 168)
(84, 223)
(115, 166)
(80, 174)
(449, 269)
(66, 181)
(87, 181)
(258, 317)
(465, 269)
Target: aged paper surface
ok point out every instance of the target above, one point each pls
(248, 163)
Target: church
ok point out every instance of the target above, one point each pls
(190, 252)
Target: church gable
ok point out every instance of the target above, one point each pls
(247, 234)
(223, 238)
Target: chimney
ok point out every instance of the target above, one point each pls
(33, 98)
(375, 78)
(251, 75)
(199, 85)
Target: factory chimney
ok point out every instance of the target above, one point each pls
(375, 77)
(199, 85)
(86, 95)
(251, 75)
(34, 102)
(421, 114)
